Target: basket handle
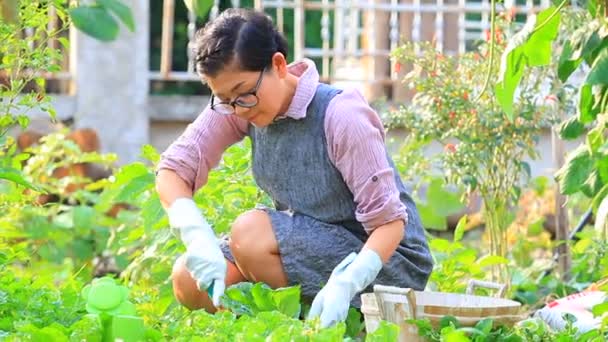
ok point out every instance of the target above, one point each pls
(474, 283)
(407, 293)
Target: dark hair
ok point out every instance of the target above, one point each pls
(244, 36)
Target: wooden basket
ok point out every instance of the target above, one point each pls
(396, 305)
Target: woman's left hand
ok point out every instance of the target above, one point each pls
(350, 277)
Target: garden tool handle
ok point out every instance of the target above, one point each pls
(406, 295)
(473, 283)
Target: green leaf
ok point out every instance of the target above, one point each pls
(131, 171)
(595, 139)
(571, 129)
(199, 7)
(602, 47)
(566, 66)
(600, 309)
(82, 249)
(430, 219)
(150, 153)
(575, 172)
(599, 70)
(592, 7)
(537, 227)
(83, 218)
(95, 21)
(599, 197)
(538, 47)
(354, 324)
(444, 202)
(593, 184)
(287, 300)
(440, 245)
(23, 121)
(512, 70)
(447, 321)
(88, 328)
(585, 40)
(601, 164)
(238, 299)
(121, 10)
(16, 176)
(460, 228)
(386, 331)
(64, 42)
(152, 211)
(587, 112)
(135, 187)
(262, 297)
(485, 325)
(529, 47)
(525, 166)
(491, 260)
(470, 182)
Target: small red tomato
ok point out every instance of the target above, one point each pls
(450, 148)
(452, 115)
(486, 35)
(465, 95)
(498, 35)
(397, 67)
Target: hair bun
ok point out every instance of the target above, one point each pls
(277, 39)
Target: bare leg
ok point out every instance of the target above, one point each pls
(255, 249)
(256, 252)
(188, 294)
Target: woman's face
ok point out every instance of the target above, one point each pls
(236, 90)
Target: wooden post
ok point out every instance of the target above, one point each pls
(375, 39)
(298, 32)
(166, 48)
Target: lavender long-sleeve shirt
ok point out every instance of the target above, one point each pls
(355, 143)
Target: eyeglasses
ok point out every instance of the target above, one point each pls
(247, 100)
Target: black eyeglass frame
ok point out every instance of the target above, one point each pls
(235, 102)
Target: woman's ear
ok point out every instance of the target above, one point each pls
(280, 64)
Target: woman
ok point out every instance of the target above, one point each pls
(342, 217)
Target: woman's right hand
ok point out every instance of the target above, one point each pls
(204, 258)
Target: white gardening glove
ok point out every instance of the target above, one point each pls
(350, 277)
(204, 259)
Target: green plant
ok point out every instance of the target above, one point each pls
(23, 61)
(483, 150)
(586, 169)
(486, 330)
(68, 227)
(456, 264)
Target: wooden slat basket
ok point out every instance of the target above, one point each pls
(396, 305)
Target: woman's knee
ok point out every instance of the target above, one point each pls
(252, 235)
(186, 291)
(184, 287)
